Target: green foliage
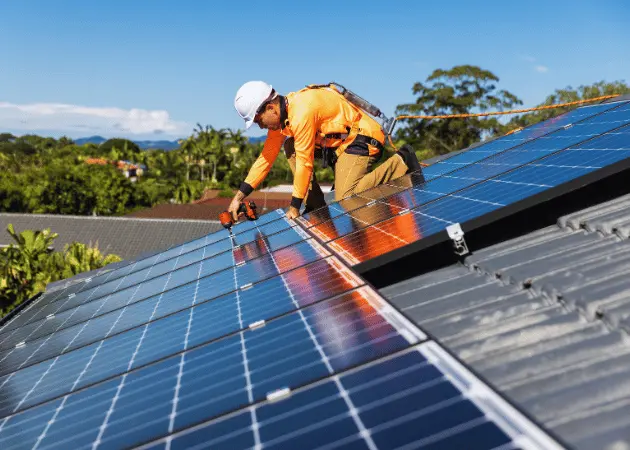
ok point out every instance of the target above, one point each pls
(44, 175)
(29, 264)
(118, 148)
(460, 90)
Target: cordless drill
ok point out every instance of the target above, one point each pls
(248, 208)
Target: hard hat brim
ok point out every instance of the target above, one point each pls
(248, 123)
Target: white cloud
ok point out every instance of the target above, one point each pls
(102, 120)
(537, 67)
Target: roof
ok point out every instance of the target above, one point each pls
(175, 211)
(544, 318)
(122, 236)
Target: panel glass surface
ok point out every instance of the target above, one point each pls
(490, 195)
(512, 140)
(295, 288)
(404, 401)
(207, 381)
(494, 161)
(177, 271)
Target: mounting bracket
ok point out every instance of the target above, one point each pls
(456, 234)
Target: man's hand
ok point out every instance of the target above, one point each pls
(235, 204)
(292, 213)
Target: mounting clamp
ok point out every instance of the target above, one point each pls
(456, 234)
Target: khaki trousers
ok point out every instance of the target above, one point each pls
(352, 175)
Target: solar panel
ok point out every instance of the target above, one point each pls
(264, 338)
(181, 258)
(278, 322)
(568, 129)
(430, 401)
(205, 377)
(426, 218)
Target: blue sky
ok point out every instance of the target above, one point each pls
(133, 67)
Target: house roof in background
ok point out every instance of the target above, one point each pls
(545, 319)
(123, 236)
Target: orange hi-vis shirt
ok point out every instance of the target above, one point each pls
(311, 115)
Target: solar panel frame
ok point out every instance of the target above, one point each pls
(396, 185)
(381, 311)
(39, 316)
(434, 351)
(484, 220)
(224, 432)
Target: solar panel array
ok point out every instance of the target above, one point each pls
(258, 339)
(473, 183)
(266, 338)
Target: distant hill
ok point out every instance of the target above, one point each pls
(164, 145)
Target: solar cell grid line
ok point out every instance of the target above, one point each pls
(378, 210)
(293, 254)
(184, 275)
(168, 254)
(331, 370)
(349, 328)
(312, 282)
(307, 281)
(165, 265)
(36, 313)
(527, 134)
(49, 312)
(416, 398)
(496, 147)
(548, 176)
(77, 380)
(124, 297)
(112, 355)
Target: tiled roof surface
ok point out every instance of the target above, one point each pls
(123, 236)
(545, 319)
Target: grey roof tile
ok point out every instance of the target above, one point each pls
(582, 219)
(522, 255)
(580, 396)
(512, 333)
(479, 312)
(610, 423)
(601, 354)
(126, 237)
(595, 297)
(608, 223)
(545, 318)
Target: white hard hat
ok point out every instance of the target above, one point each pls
(249, 98)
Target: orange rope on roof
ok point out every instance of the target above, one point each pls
(497, 113)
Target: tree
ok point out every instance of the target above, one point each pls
(22, 266)
(29, 264)
(6, 137)
(566, 95)
(459, 90)
(125, 148)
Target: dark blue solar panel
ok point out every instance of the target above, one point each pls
(153, 266)
(477, 200)
(401, 402)
(119, 292)
(493, 164)
(296, 288)
(505, 142)
(199, 383)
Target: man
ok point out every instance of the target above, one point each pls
(318, 120)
